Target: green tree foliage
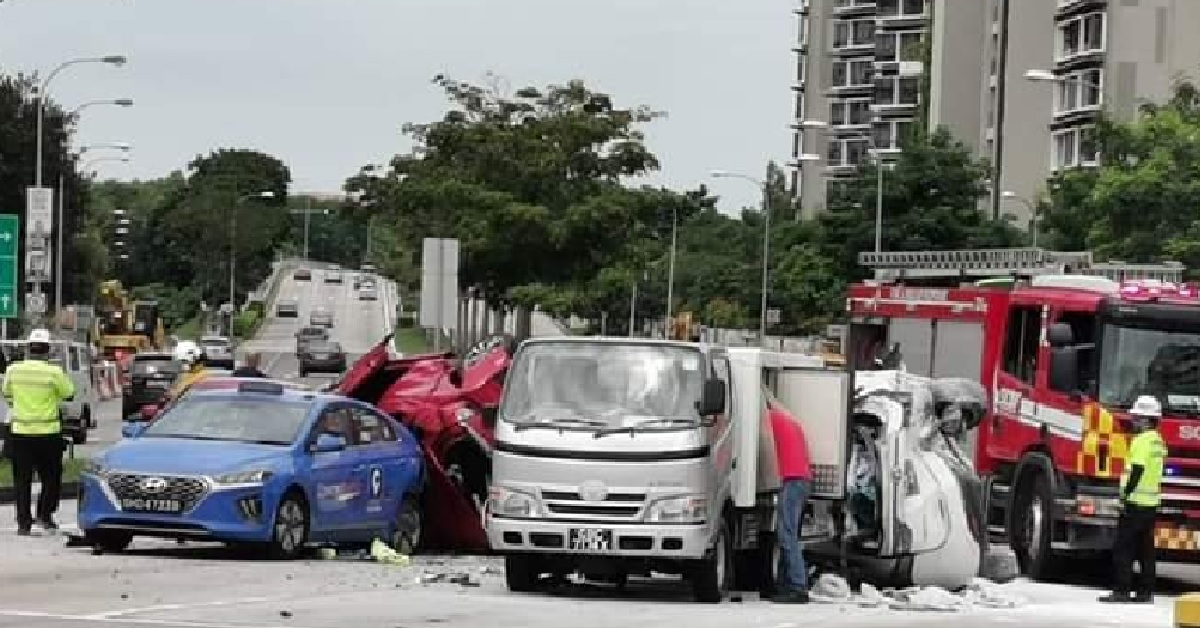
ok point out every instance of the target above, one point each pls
(1142, 203)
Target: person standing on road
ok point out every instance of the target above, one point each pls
(250, 368)
(1140, 495)
(191, 358)
(795, 485)
(34, 389)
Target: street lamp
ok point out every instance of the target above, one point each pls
(762, 185)
(878, 181)
(42, 90)
(1033, 212)
(117, 102)
(233, 243)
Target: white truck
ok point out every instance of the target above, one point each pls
(618, 457)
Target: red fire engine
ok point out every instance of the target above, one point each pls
(1064, 345)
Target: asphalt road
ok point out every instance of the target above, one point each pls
(46, 585)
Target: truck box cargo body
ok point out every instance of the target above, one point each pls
(1063, 357)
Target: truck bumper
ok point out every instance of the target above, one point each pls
(646, 541)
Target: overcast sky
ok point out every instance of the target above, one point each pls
(326, 84)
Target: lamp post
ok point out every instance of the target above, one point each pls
(1033, 222)
(671, 267)
(116, 102)
(766, 249)
(233, 245)
(42, 90)
(820, 124)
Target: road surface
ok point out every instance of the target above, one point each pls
(46, 585)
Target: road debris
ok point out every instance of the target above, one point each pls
(833, 589)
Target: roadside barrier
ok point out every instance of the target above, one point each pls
(1187, 611)
(105, 380)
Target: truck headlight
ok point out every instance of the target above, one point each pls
(242, 478)
(506, 502)
(681, 509)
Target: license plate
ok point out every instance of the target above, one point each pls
(168, 506)
(591, 539)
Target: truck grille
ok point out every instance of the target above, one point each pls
(189, 491)
(566, 504)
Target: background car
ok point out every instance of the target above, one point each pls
(302, 274)
(321, 317)
(307, 335)
(262, 465)
(322, 356)
(333, 276)
(289, 308)
(150, 377)
(218, 350)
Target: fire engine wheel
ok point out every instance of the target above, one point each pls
(1033, 528)
(713, 575)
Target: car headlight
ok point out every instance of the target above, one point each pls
(509, 503)
(681, 509)
(243, 477)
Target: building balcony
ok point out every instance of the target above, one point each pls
(1067, 9)
(854, 8)
(856, 49)
(904, 21)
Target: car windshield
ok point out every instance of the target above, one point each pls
(601, 385)
(1138, 361)
(163, 366)
(242, 419)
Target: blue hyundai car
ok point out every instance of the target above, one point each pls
(258, 463)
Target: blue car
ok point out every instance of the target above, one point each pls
(259, 464)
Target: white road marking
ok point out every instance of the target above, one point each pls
(125, 621)
(179, 607)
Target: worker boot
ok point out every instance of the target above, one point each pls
(1144, 598)
(24, 530)
(791, 597)
(1118, 597)
(48, 524)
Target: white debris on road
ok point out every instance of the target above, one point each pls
(833, 589)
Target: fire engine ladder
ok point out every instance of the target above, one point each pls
(1014, 262)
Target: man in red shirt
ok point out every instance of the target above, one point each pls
(795, 485)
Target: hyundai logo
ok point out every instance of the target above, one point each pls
(593, 491)
(154, 485)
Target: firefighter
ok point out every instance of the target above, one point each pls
(34, 389)
(1140, 496)
(191, 357)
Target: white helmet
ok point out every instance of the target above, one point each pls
(40, 335)
(187, 352)
(1148, 406)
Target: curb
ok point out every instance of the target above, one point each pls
(70, 490)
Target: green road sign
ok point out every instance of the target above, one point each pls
(9, 230)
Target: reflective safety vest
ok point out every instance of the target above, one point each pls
(1149, 452)
(185, 381)
(34, 389)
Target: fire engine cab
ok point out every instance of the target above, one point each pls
(1064, 346)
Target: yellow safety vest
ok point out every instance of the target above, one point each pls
(34, 389)
(185, 381)
(1149, 452)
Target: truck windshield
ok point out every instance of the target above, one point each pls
(1139, 361)
(604, 386)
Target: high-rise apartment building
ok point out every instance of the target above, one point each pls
(1019, 81)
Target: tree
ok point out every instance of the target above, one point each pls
(1142, 202)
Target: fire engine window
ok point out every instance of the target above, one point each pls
(1083, 332)
(1021, 342)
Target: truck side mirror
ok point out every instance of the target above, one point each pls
(1064, 370)
(712, 400)
(1060, 335)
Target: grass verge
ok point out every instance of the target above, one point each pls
(189, 330)
(71, 470)
(411, 340)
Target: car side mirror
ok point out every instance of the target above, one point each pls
(712, 399)
(327, 443)
(1064, 371)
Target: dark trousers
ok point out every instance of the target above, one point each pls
(793, 573)
(1135, 541)
(42, 455)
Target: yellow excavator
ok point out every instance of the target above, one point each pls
(125, 327)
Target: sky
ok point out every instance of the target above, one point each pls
(325, 85)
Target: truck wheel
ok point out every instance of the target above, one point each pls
(713, 575)
(1032, 528)
(755, 569)
(520, 573)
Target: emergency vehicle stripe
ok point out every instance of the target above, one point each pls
(1168, 537)
(1103, 451)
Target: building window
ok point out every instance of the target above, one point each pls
(847, 112)
(891, 134)
(898, 90)
(799, 106)
(852, 73)
(902, 46)
(800, 70)
(1081, 35)
(1078, 91)
(853, 33)
(901, 8)
(847, 152)
(797, 142)
(1075, 147)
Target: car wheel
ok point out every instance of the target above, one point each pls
(289, 533)
(406, 535)
(109, 540)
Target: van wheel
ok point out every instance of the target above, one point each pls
(1032, 528)
(521, 573)
(713, 575)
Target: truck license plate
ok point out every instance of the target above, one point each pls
(591, 539)
(168, 506)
